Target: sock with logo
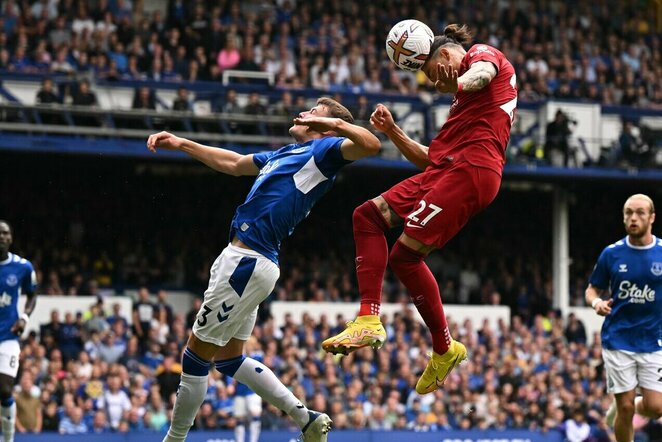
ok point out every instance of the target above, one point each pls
(259, 378)
(190, 395)
(240, 433)
(409, 266)
(8, 417)
(256, 427)
(371, 255)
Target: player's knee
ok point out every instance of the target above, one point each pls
(402, 257)
(368, 216)
(5, 393)
(194, 365)
(626, 411)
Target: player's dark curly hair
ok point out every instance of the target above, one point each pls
(453, 34)
(336, 110)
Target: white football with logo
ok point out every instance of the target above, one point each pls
(408, 44)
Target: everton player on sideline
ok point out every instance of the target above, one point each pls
(16, 277)
(289, 182)
(631, 270)
(462, 174)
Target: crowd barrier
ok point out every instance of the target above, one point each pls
(287, 436)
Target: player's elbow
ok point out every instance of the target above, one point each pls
(372, 145)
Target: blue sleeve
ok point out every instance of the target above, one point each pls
(600, 277)
(328, 155)
(261, 158)
(29, 282)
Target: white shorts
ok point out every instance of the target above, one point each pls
(240, 279)
(627, 370)
(9, 355)
(247, 406)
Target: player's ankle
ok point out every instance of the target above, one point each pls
(369, 309)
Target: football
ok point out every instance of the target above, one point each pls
(408, 44)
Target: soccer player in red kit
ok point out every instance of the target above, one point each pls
(462, 175)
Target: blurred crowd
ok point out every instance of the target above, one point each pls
(606, 51)
(93, 373)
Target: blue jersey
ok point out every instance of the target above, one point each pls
(291, 180)
(16, 276)
(634, 276)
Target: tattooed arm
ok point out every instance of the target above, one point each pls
(477, 77)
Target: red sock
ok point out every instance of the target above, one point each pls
(371, 255)
(410, 268)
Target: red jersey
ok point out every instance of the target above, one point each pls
(478, 125)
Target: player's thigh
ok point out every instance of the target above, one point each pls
(10, 352)
(254, 404)
(621, 370)
(402, 197)
(449, 199)
(649, 372)
(240, 280)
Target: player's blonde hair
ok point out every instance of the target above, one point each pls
(642, 197)
(336, 110)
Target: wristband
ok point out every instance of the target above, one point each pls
(459, 87)
(25, 317)
(595, 302)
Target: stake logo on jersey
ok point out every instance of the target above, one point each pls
(633, 274)
(16, 276)
(630, 291)
(291, 180)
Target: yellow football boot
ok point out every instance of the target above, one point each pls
(439, 368)
(364, 331)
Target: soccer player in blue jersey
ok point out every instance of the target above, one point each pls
(289, 182)
(630, 270)
(16, 277)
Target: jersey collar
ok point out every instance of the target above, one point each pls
(7, 261)
(647, 246)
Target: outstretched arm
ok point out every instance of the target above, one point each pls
(222, 160)
(382, 120)
(360, 142)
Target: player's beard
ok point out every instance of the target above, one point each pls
(637, 231)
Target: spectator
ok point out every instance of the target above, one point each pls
(47, 95)
(28, 406)
(255, 108)
(144, 99)
(85, 97)
(557, 138)
(114, 402)
(574, 331)
(229, 57)
(635, 150)
(72, 423)
(143, 314)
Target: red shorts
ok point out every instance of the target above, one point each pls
(438, 202)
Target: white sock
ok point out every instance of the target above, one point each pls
(259, 378)
(8, 417)
(239, 433)
(256, 426)
(191, 394)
